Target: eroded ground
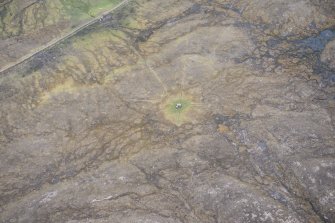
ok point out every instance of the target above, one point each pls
(176, 111)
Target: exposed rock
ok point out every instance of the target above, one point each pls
(287, 18)
(174, 111)
(328, 55)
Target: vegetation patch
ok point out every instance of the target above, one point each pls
(83, 9)
(178, 109)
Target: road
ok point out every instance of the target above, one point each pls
(62, 38)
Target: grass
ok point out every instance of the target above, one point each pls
(84, 9)
(177, 116)
(103, 5)
(172, 106)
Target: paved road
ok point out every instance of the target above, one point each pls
(57, 40)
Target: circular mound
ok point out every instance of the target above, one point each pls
(181, 108)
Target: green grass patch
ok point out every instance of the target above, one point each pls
(83, 9)
(177, 109)
(103, 5)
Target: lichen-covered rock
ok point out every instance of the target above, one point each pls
(174, 111)
(287, 18)
(328, 55)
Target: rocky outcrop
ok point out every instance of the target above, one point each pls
(175, 111)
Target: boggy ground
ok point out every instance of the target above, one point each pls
(176, 111)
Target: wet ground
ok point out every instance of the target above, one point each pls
(176, 111)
